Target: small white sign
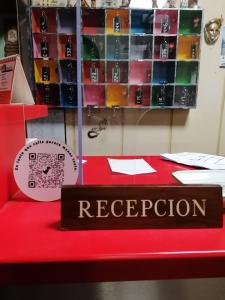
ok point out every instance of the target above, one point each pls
(222, 57)
(42, 167)
(12, 78)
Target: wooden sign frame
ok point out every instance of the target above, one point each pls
(141, 207)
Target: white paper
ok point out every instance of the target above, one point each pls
(130, 166)
(213, 162)
(202, 177)
(30, 140)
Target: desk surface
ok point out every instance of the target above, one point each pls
(34, 249)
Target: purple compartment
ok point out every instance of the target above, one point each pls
(67, 20)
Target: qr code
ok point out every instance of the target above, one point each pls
(46, 170)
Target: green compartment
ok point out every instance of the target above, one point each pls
(187, 72)
(190, 22)
(93, 47)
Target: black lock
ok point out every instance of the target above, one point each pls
(94, 73)
(116, 74)
(44, 48)
(117, 24)
(193, 51)
(46, 94)
(45, 73)
(165, 24)
(43, 22)
(69, 48)
(71, 95)
(164, 49)
(138, 96)
(117, 49)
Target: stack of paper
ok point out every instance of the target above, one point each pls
(130, 166)
(213, 162)
(202, 177)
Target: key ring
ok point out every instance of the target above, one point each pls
(93, 133)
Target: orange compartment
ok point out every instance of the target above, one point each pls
(52, 67)
(117, 21)
(116, 95)
(188, 47)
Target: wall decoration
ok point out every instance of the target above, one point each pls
(9, 44)
(212, 30)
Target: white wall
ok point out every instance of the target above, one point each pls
(202, 130)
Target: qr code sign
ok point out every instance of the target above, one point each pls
(46, 170)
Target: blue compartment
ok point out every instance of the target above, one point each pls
(142, 21)
(68, 95)
(163, 72)
(117, 47)
(68, 71)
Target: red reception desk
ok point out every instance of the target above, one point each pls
(35, 250)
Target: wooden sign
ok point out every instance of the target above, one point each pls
(14, 87)
(136, 207)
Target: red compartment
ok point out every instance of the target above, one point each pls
(49, 13)
(117, 67)
(163, 17)
(50, 39)
(140, 72)
(65, 40)
(94, 95)
(99, 69)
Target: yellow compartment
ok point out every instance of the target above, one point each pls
(185, 44)
(39, 64)
(116, 95)
(123, 16)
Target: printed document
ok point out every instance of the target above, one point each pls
(207, 161)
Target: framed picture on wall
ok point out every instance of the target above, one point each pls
(9, 44)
